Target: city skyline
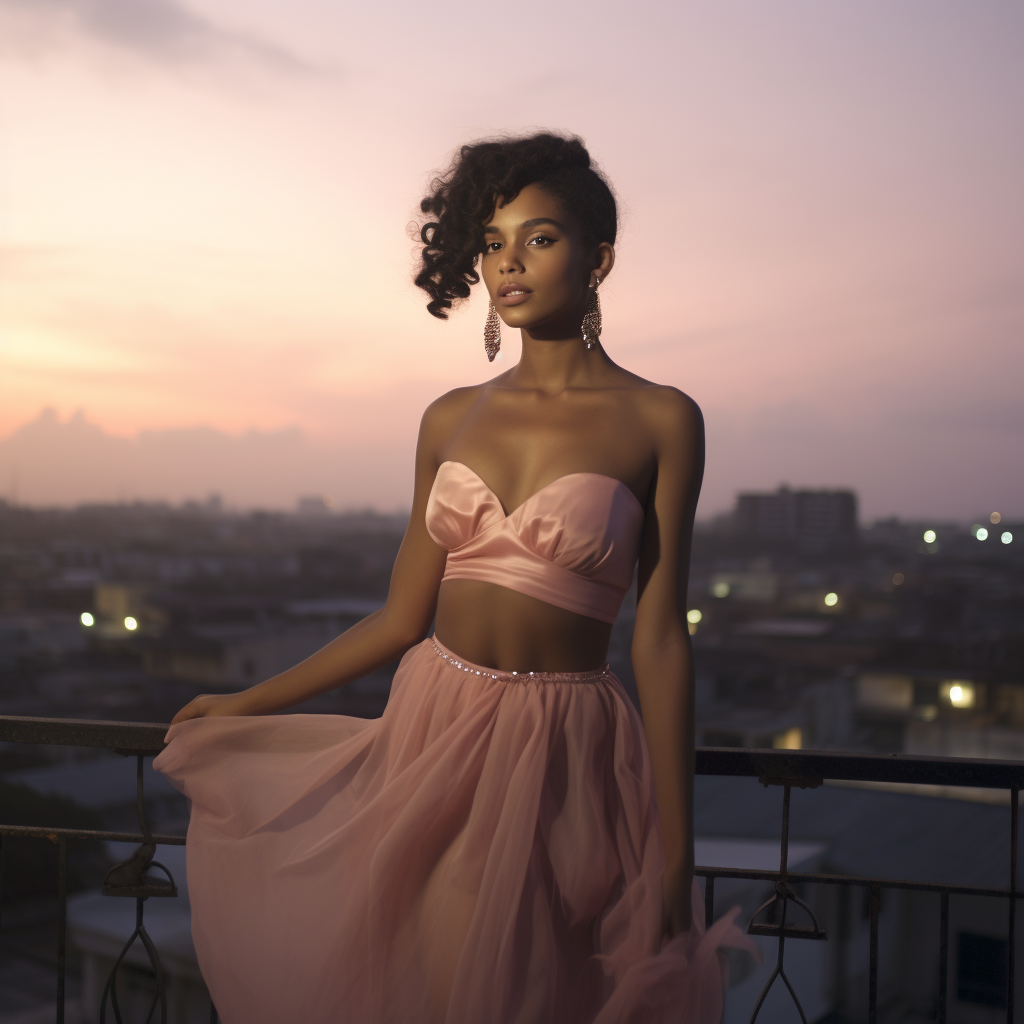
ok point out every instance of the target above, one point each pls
(205, 241)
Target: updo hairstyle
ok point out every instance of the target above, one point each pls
(465, 194)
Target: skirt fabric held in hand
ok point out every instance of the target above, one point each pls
(486, 852)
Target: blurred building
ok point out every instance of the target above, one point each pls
(810, 520)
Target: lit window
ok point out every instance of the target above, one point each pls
(86, 619)
(959, 693)
(791, 739)
(694, 616)
(130, 623)
(929, 536)
(1007, 537)
(831, 600)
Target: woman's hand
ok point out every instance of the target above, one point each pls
(210, 705)
(676, 902)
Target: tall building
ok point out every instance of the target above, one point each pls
(811, 520)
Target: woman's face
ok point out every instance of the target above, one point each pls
(536, 266)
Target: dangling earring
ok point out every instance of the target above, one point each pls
(492, 333)
(592, 319)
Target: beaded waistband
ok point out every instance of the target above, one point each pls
(593, 676)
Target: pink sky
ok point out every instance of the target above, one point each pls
(204, 209)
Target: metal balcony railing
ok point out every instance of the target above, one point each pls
(787, 769)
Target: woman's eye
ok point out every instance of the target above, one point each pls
(492, 246)
(540, 240)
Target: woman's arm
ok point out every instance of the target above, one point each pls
(662, 656)
(380, 637)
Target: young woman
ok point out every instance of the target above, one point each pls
(508, 844)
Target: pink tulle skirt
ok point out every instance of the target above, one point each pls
(486, 852)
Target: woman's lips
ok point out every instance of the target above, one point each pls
(512, 296)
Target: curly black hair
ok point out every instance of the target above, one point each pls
(464, 195)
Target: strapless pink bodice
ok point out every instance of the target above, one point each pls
(573, 544)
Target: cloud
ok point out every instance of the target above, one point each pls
(50, 462)
(164, 30)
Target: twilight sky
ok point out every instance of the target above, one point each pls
(204, 211)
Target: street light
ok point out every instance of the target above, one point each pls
(959, 693)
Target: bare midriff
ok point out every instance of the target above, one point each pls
(503, 629)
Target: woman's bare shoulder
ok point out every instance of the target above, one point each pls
(445, 414)
(453, 402)
(665, 409)
(453, 406)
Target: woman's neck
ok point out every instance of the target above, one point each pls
(552, 366)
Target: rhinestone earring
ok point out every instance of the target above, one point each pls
(592, 319)
(492, 333)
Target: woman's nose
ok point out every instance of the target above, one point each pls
(510, 262)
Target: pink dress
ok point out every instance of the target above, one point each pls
(486, 852)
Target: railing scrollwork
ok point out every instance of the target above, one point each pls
(130, 879)
(784, 916)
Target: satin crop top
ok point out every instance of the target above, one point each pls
(573, 544)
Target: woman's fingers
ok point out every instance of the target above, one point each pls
(187, 712)
(209, 705)
(199, 707)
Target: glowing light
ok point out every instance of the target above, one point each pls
(130, 623)
(995, 518)
(898, 578)
(981, 533)
(1006, 537)
(791, 739)
(720, 589)
(929, 536)
(831, 600)
(86, 619)
(694, 616)
(959, 693)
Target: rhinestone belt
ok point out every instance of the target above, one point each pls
(521, 677)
